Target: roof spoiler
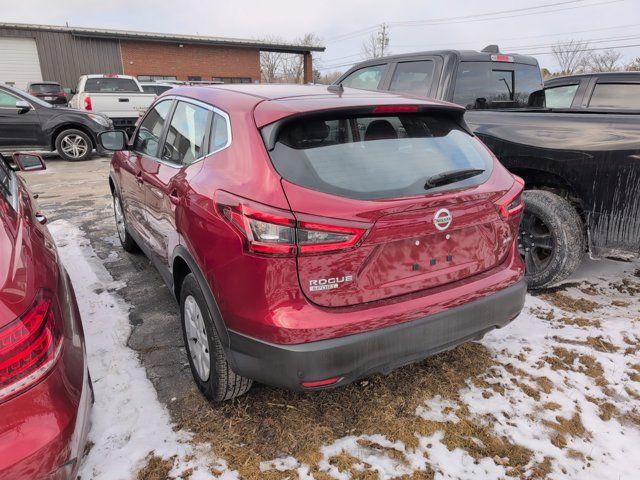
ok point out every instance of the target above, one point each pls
(491, 49)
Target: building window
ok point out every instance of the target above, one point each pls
(156, 78)
(231, 79)
(194, 78)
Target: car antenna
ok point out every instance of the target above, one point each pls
(339, 89)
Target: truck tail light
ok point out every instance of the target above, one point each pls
(29, 346)
(511, 204)
(87, 103)
(277, 232)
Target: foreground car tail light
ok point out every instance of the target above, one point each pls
(511, 204)
(275, 232)
(29, 346)
(265, 232)
(87, 103)
(317, 237)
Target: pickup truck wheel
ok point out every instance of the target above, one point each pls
(207, 359)
(126, 240)
(552, 240)
(73, 145)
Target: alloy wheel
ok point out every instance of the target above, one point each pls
(119, 216)
(197, 341)
(74, 146)
(536, 243)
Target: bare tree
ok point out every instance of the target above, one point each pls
(329, 77)
(606, 61)
(570, 56)
(278, 67)
(271, 63)
(634, 66)
(377, 44)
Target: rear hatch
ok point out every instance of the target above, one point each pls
(411, 199)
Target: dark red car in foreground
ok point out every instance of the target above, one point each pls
(316, 235)
(45, 395)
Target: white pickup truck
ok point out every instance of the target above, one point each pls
(119, 97)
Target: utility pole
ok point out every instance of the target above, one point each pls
(383, 38)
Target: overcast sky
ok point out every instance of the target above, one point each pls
(516, 25)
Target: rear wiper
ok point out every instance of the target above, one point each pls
(451, 176)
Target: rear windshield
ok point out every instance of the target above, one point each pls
(45, 88)
(377, 157)
(481, 85)
(109, 85)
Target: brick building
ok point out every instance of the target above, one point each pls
(62, 54)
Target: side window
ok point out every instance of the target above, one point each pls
(220, 133)
(560, 97)
(7, 100)
(367, 78)
(413, 77)
(148, 137)
(623, 96)
(186, 135)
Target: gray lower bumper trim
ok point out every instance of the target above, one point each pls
(382, 350)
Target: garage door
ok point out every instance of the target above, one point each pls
(19, 62)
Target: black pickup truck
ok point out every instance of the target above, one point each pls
(574, 140)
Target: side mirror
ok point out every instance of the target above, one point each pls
(113, 140)
(23, 105)
(29, 162)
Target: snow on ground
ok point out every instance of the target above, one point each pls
(565, 386)
(563, 390)
(128, 421)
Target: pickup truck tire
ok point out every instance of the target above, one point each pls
(209, 367)
(552, 240)
(73, 145)
(126, 240)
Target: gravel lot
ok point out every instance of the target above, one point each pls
(554, 395)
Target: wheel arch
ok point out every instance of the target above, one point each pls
(72, 126)
(182, 265)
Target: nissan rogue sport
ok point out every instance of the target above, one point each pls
(315, 235)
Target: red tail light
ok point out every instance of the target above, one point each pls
(29, 346)
(511, 204)
(321, 383)
(87, 103)
(396, 109)
(275, 232)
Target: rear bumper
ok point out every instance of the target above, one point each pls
(377, 351)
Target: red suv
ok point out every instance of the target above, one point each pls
(317, 235)
(45, 393)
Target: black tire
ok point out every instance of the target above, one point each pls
(222, 383)
(76, 137)
(126, 240)
(552, 239)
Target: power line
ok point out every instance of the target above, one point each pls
(474, 18)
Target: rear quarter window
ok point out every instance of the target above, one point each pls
(619, 96)
(377, 157)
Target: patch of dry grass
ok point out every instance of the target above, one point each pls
(270, 423)
(156, 468)
(570, 304)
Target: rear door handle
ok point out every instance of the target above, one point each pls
(41, 218)
(174, 197)
(123, 99)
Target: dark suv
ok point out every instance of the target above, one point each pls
(50, 92)
(314, 236)
(29, 123)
